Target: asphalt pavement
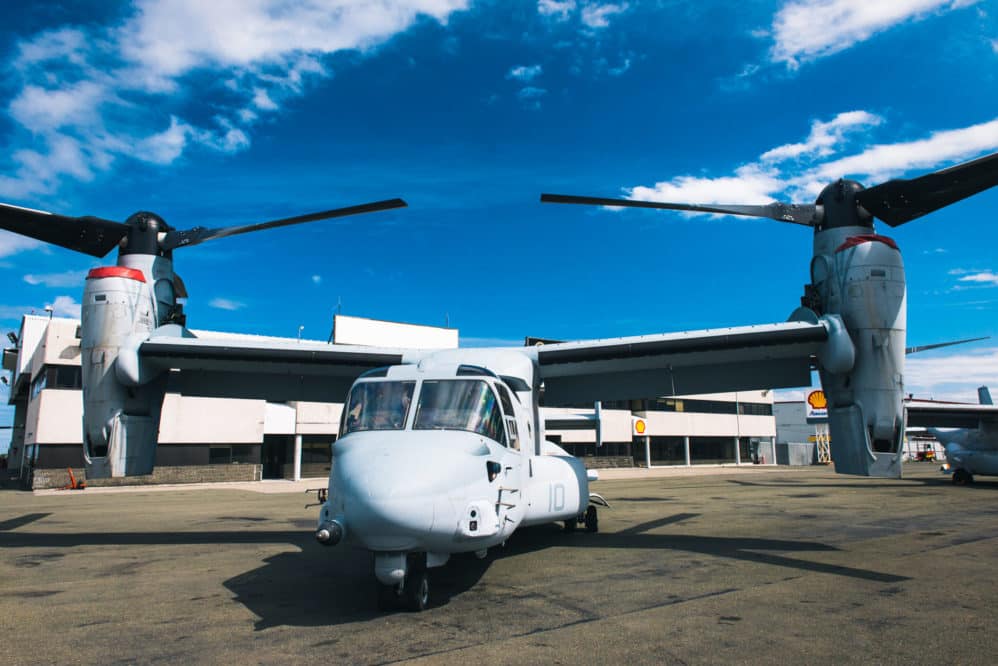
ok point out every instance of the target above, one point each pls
(732, 566)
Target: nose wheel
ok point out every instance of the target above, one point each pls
(413, 593)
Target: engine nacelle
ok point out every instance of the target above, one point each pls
(859, 276)
(121, 419)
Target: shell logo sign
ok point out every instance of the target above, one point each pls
(817, 405)
(638, 426)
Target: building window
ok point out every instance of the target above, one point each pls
(317, 448)
(219, 455)
(57, 377)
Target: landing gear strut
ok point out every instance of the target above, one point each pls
(592, 520)
(413, 593)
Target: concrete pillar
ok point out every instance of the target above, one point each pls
(648, 451)
(297, 474)
(738, 451)
(686, 448)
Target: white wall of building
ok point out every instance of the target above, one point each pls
(188, 420)
(376, 333)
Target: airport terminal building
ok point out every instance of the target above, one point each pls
(225, 439)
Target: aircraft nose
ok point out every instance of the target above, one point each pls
(392, 492)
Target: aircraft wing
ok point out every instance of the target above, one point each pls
(927, 414)
(708, 361)
(259, 367)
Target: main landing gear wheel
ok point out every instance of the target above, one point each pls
(571, 524)
(592, 520)
(416, 590)
(962, 477)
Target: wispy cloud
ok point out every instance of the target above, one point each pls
(316, 279)
(557, 10)
(61, 306)
(226, 304)
(799, 171)
(65, 306)
(91, 96)
(592, 16)
(953, 376)
(525, 73)
(597, 15)
(11, 243)
(984, 278)
(806, 30)
(65, 279)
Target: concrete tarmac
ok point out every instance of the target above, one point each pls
(738, 566)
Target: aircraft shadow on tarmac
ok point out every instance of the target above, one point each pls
(319, 586)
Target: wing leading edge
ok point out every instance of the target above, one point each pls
(276, 371)
(949, 415)
(708, 361)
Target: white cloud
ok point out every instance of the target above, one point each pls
(226, 304)
(11, 243)
(882, 162)
(531, 93)
(824, 136)
(92, 95)
(806, 30)
(65, 279)
(592, 15)
(525, 73)
(994, 45)
(751, 184)
(775, 176)
(984, 277)
(596, 15)
(952, 377)
(65, 306)
(558, 10)
(316, 279)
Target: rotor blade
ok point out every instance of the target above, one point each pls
(806, 214)
(175, 239)
(89, 235)
(899, 201)
(921, 348)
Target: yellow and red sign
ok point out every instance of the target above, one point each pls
(817, 405)
(638, 426)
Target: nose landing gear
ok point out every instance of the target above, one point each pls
(413, 593)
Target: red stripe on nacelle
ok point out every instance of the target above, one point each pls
(853, 241)
(116, 271)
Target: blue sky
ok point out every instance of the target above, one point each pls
(236, 112)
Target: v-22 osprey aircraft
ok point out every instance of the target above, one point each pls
(444, 452)
(968, 433)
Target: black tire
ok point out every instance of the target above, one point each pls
(592, 520)
(388, 597)
(417, 590)
(962, 477)
(571, 524)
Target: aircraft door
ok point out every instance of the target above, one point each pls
(509, 502)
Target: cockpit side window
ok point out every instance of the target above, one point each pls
(510, 416)
(459, 404)
(377, 406)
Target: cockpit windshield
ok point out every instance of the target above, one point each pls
(459, 404)
(377, 406)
